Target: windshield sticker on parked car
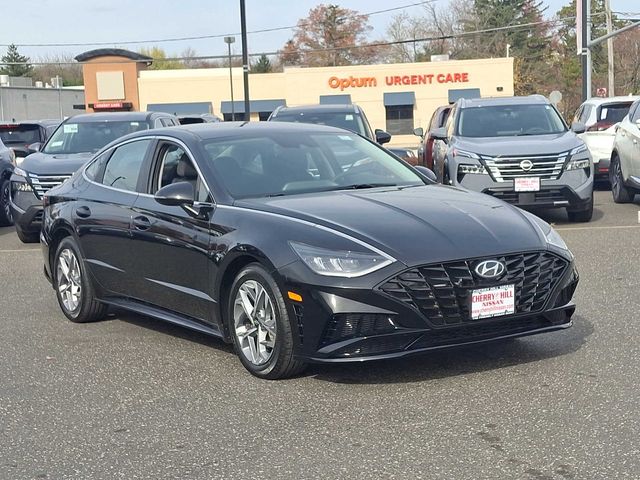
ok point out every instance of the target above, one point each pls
(70, 128)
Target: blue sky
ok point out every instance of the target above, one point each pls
(116, 21)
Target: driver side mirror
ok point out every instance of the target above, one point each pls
(419, 132)
(427, 172)
(34, 147)
(382, 137)
(182, 194)
(439, 134)
(578, 127)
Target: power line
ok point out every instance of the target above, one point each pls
(328, 49)
(202, 37)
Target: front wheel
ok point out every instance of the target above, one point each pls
(73, 286)
(6, 218)
(621, 194)
(584, 215)
(260, 326)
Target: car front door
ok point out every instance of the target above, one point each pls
(171, 246)
(103, 216)
(631, 161)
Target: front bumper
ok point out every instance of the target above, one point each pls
(358, 324)
(573, 189)
(27, 211)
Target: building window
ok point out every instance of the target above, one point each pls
(239, 116)
(263, 116)
(399, 119)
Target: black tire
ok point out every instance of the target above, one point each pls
(6, 218)
(584, 215)
(621, 194)
(281, 363)
(88, 308)
(27, 237)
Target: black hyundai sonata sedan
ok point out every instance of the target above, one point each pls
(298, 243)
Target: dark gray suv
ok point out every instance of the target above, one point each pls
(518, 149)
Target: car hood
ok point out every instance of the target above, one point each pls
(58, 164)
(523, 145)
(416, 225)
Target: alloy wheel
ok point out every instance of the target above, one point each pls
(254, 318)
(617, 177)
(69, 280)
(5, 205)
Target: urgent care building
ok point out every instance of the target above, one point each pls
(395, 97)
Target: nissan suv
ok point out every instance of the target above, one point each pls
(518, 149)
(69, 147)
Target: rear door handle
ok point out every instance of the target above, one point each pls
(83, 212)
(141, 223)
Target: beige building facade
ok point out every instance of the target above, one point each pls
(395, 97)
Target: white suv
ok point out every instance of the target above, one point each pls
(600, 116)
(625, 157)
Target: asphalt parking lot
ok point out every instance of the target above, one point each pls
(132, 398)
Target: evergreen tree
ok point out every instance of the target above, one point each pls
(263, 65)
(13, 57)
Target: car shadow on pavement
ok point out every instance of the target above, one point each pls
(460, 360)
(7, 230)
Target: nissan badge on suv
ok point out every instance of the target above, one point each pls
(518, 149)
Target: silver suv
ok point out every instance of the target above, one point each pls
(625, 158)
(518, 149)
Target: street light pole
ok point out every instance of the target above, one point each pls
(245, 59)
(229, 41)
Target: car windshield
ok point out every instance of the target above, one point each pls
(277, 164)
(89, 136)
(345, 120)
(19, 134)
(509, 120)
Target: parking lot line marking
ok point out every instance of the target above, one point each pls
(612, 227)
(21, 250)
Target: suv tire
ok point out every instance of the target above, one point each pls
(6, 218)
(584, 215)
(621, 194)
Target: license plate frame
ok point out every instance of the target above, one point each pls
(526, 184)
(492, 302)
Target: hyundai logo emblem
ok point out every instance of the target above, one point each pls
(526, 165)
(490, 269)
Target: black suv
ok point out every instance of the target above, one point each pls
(24, 137)
(345, 116)
(69, 147)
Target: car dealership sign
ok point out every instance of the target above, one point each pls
(391, 80)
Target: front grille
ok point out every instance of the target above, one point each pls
(43, 183)
(442, 292)
(543, 196)
(547, 167)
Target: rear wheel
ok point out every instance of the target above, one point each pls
(260, 326)
(73, 286)
(6, 218)
(621, 194)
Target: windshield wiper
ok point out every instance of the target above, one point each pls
(358, 186)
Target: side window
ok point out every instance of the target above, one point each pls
(167, 122)
(94, 169)
(578, 115)
(586, 113)
(634, 114)
(174, 166)
(449, 123)
(123, 168)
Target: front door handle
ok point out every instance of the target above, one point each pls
(83, 212)
(141, 223)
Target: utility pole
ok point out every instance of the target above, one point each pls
(610, 71)
(245, 59)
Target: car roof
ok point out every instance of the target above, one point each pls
(498, 101)
(206, 131)
(115, 116)
(330, 107)
(602, 100)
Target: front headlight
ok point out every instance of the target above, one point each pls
(477, 169)
(579, 149)
(464, 153)
(554, 238)
(578, 164)
(340, 263)
(583, 162)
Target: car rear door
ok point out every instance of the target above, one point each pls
(631, 160)
(170, 247)
(103, 215)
